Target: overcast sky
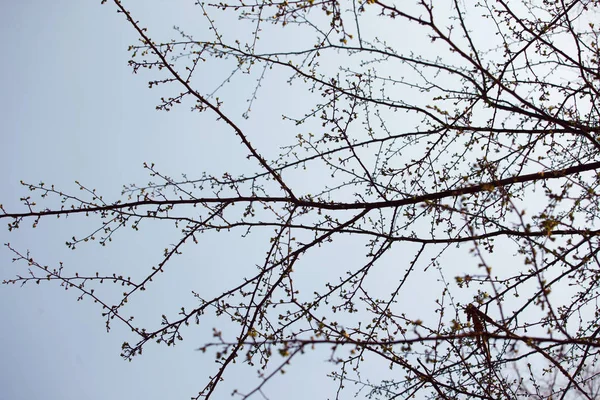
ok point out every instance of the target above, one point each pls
(71, 110)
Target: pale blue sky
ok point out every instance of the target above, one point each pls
(71, 109)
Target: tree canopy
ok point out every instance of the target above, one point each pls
(422, 192)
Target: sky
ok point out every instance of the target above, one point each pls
(72, 110)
